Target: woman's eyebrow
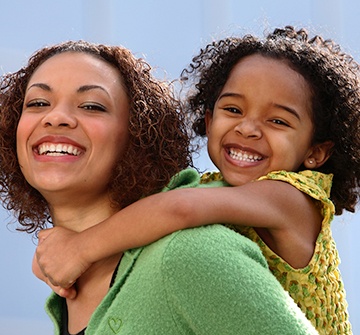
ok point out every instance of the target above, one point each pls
(81, 89)
(43, 86)
(86, 88)
(230, 94)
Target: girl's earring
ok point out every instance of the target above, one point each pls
(311, 161)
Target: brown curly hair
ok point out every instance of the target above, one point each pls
(334, 80)
(158, 146)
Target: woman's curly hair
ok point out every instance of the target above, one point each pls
(158, 146)
(334, 80)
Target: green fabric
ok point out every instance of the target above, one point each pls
(207, 280)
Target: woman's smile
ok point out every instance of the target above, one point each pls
(73, 128)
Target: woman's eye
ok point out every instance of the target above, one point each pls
(37, 103)
(93, 107)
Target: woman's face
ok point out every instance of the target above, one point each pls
(74, 126)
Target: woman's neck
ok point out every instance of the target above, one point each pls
(92, 287)
(79, 213)
(78, 217)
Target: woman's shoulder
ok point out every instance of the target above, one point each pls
(190, 178)
(184, 179)
(208, 266)
(209, 249)
(206, 250)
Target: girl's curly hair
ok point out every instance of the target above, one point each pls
(334, 80)
(159, 139)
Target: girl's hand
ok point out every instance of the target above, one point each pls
(60, 259)
(69, 293)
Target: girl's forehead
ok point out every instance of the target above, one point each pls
(258, 78)
(279, 69)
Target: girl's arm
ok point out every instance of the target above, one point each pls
(279, 210)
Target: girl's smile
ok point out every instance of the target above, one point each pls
(261, 122)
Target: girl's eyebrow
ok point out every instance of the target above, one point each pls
(289, 109)
(286, 108)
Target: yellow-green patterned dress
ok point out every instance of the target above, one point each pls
(318, 288)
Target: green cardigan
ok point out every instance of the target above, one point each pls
(207, 280)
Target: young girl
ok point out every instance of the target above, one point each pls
(281, 115)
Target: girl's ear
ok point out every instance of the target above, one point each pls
(208, 121)
(319, 154)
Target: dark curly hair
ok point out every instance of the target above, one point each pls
(334, 80)
(158, 146)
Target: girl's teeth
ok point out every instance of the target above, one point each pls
(243, 156)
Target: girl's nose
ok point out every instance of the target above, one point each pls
(248, 129)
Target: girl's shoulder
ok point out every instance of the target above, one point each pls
(208, 177)
(314, 183)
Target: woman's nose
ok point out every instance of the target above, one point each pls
(60, 116)
(248, 129)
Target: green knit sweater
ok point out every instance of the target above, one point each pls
(208, 280)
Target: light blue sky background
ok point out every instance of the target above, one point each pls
(168, 34)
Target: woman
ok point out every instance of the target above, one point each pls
(94, 133)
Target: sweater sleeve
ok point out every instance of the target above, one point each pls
(217, 282)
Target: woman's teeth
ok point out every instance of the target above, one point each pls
(57, 150)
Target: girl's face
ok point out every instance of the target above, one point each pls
(262, 122)
(73, 128)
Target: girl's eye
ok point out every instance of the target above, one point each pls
(37, 103)
(280, 122)
(93, 107)
(233, 110)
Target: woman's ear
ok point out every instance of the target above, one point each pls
(208, 121)
(319, 154)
